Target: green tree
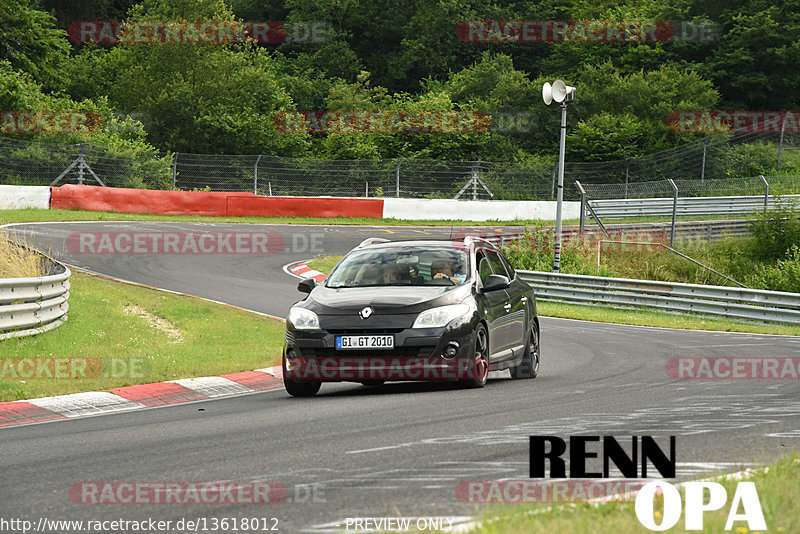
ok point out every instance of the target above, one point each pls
(755, 62)
(208, 98)
(649, 96)
(606, 136)
(30, 42)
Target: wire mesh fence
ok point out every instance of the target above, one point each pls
(711, 166)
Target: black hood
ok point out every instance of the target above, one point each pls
(387, 300)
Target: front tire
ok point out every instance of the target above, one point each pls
(301, 389)
(480, 362)
(529, 366)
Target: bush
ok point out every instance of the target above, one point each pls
(785, 275)
(776, 230)
(533, 251)
(749, 159)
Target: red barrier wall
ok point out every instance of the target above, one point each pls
(304, 207)
(93, 198)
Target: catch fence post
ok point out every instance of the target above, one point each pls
(583, 206)
(255, 175)
(174, 169)
(674, 210)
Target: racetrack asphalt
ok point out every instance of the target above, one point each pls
(398, 450)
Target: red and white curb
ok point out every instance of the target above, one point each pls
(302, 270)
(128, 398)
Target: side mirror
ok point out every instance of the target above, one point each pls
(307, 285)
(495, 282)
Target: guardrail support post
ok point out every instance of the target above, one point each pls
(766, 191)
(674, 211)
(627, 168)
(583, 207)
(397, 178)
(703, 165)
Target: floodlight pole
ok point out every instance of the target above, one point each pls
(560, 194)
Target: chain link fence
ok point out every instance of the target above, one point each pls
(706, 167)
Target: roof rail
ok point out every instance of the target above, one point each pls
(371, 241)
(472, 239)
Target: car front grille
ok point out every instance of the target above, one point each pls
(364, 331)
(399, 352)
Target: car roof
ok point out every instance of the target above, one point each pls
(377, 243)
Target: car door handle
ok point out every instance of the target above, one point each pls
(507, 307)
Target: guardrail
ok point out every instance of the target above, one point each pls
(686, 206)
(708, 230)
(31, 306)
(729, 302)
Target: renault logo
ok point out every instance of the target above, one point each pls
(366, 312)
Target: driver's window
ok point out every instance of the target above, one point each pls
(497, 265)
(484, 270)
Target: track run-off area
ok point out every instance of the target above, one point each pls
(398, 450)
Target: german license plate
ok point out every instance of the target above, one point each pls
(364, 342)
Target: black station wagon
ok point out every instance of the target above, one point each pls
(412, 310)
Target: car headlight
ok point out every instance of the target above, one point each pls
(436, 317)
(303, 319)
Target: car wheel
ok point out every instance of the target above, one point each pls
(480, 362)
(529, 366)
(372, 383)
(301, 389)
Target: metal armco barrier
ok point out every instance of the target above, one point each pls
(687, 206)
(31, 306)
(728, 302)
(693, 230)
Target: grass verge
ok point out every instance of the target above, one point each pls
(121, 334)
(657, 319)
(324, 264)
(776, 487)
(622, 316)
(38, 215)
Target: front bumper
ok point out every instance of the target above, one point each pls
(419, 354)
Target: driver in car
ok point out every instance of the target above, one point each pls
(443, 268)
(391, 273)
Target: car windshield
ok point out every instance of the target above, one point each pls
(396, 266)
